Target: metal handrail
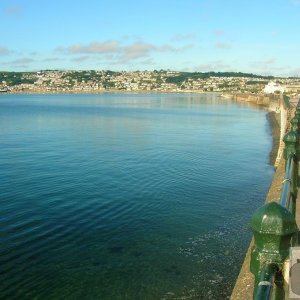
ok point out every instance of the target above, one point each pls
(286, 101)
(274, 226)
(268, 273)
(266, 282)
(288, 185)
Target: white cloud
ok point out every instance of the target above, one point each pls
(95, 48)
(270, 61)
(219, 32)
(81, 58)
(268, 66)
(223, 45)
(183, 37)
(13, 10)
(4, 51)
(218, 65)
(293, 72)
(117, 52)
(52, 59)
(264, 63)
(296, 2)
(19, 63)
(136, 50)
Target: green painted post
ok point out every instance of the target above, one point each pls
(297, 112)
(295, 123)
(297, 117)
(273, 228)
(291, 142)
(267, 282)
(292, 147)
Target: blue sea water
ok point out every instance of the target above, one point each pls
(127, 196)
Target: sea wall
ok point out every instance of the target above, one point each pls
(266, 100)
(245, 282)
(244, 285)
(279, 109)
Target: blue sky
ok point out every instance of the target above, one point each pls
(256, 36)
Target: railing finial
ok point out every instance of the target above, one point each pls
(273, 227)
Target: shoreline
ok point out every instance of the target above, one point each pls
(104, 92)
(270, 103)
(275, 131)
(271, 115)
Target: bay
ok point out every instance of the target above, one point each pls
(119, 196)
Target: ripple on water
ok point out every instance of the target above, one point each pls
(140, 201)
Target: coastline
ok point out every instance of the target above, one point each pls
(271, 115)
(272, 119)
(32, 92)
(244, 284)
(274, 124)
(271, 104)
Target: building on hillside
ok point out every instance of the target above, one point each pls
(272, 87)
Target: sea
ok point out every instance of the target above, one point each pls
(128, 196)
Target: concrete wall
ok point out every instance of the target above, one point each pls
(257, 99)
(283, 129)
(245, 282)
(244, 285)
(273, 103)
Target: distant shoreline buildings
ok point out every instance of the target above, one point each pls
(272, 88)
(49, 81)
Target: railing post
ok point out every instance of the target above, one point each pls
(295, 123)
(273, 228)
(297, 112)
(291, 141)
(296, 180)
(266, 282)
(292, 148)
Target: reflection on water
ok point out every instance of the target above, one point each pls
(127, 196)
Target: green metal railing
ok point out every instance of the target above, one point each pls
(286, 100)
(289, 187)
(267, 281)
(274, 226)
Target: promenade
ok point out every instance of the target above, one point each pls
(244, 286)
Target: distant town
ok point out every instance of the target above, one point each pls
(55, 81)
